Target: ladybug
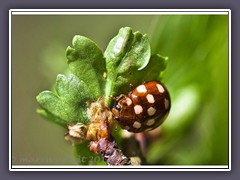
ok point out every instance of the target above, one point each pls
(144, 108)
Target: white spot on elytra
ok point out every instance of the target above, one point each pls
(151, 111)
(160, 88)
(150, 98)
(141, 89)
(138, 109)
(166, 103)
(137, 125)
(129, 101)
(150, 122)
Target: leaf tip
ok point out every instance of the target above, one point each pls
(75, 39)
(38, 97)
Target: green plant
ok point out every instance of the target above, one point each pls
(96, 75)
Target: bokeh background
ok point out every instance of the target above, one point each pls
(196, 131)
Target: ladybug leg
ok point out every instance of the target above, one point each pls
(117, 98)
(131, 86)
(120, 97)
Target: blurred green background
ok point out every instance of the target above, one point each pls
(196, 131)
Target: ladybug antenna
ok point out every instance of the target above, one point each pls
(112, 97)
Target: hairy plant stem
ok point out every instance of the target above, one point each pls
(98, 132)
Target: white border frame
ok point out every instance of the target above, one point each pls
(118, 12)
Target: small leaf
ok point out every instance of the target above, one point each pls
(128, 62)
(86, 61)
(69, 102)
(126, 54)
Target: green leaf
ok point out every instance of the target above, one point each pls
(129, 61)
(154, 70)
(125, 54)
(86, 61)
(69, 102)
(50, 117)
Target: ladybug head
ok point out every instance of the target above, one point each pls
(116, 110)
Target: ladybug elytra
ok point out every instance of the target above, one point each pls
(144, 108)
